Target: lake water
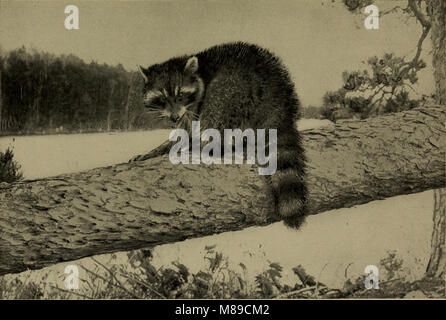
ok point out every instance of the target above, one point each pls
(325, 245)
(50, 155)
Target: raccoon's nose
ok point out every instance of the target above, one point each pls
(174, 117)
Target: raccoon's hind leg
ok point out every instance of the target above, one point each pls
(288, 183)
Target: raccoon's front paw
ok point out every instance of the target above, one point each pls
(136, 158)
(142, 157)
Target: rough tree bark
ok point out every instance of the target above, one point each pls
(436, 10)
(437, 264)
(142, 204)
(437, 17)
(1, 101)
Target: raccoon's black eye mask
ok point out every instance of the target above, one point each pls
(157, 102)
(187, 98)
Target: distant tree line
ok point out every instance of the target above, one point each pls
(44, 93)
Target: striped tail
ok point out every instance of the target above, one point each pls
(288, 183)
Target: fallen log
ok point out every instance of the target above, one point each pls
(143, 204)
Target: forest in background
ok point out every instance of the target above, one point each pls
(42, 93)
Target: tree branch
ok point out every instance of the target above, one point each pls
(146, 203)
(418, 14)
(426, 25)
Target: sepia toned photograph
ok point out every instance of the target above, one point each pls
(222, 149)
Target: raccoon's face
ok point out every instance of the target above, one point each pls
(173, 90)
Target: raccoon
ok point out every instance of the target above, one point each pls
(230, 86)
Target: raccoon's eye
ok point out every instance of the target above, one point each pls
(186, 97)
(190, 97)
(158, 101)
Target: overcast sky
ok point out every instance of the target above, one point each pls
(315, 41)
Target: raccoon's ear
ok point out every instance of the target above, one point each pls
(143, 73)
(191, 65)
